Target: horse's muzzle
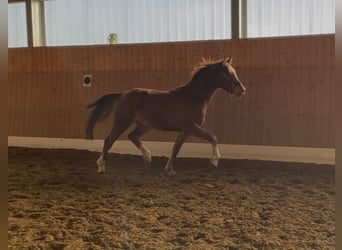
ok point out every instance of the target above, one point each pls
(240, 91)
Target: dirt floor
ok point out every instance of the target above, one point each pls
(56, 200)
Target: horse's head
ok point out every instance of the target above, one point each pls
(228, 79)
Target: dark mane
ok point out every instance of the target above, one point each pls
(205, 64)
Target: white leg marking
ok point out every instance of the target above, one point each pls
(169, 171)
(101, 164)
(215, 156)
(146, 153)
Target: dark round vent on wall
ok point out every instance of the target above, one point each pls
(87, 80)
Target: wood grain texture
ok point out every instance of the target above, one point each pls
(289, 80)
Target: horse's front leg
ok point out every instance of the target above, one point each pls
(215, 156)
(169, 168)
(202, 133)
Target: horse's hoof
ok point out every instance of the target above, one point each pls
(147, 161)
(146, 154)
(101, 169)
(101, 165)
(170, 172)
(214, 162)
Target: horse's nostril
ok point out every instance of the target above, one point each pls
(243, 91)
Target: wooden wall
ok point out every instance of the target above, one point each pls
(289, 80)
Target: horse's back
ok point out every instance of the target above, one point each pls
(138, 98)
(161, 109)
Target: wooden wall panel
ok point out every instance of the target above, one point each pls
(289, 80)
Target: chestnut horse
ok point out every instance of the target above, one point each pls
(182, 109)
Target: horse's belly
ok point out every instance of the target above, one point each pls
(166, 112)
(170, 121)
(157, 121)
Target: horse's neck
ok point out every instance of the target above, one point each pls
(202, 89)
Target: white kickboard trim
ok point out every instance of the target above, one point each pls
(199, 150)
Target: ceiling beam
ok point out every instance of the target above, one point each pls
(38, 23)
(35, 23)
(239, 18)
(29, 23)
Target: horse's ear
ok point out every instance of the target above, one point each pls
(225, 61)
(204, 60)
(230, 60)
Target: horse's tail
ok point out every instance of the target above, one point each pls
(102, 109)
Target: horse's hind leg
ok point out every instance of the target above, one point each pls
(169, 168)
(135, 135)
(121, 123)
